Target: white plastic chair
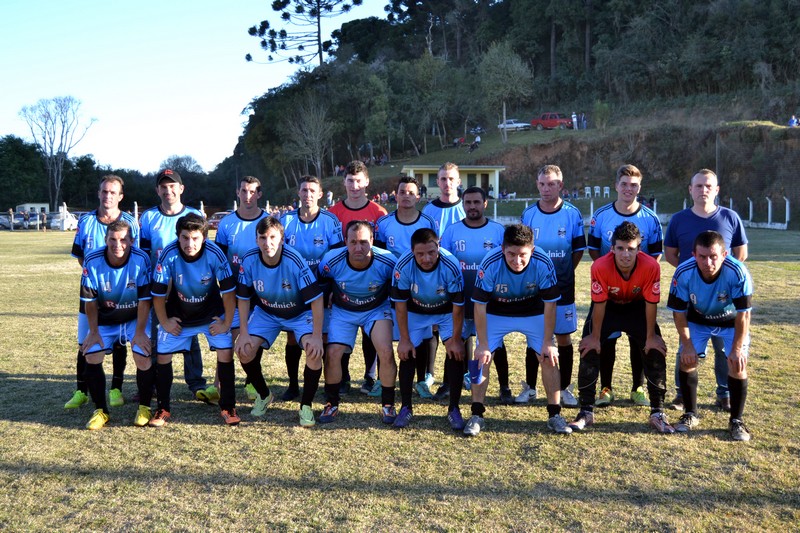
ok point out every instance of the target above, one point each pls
(606, 192)
(587, 192)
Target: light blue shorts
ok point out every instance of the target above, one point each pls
(268, 327)
(169, 343)
(420, 327)
(701, 334)
(344, 324)
(566, 319)
(116, 334)
(499, 326)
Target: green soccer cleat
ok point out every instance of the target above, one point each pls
(251, 392)
(143, 416)
(638, 397)
(98, 420)
(261, 404)
(77, 400)
(306, 417)
(605, 399)
(115, 398)
(208, 395)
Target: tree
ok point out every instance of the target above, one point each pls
(308, 132)
(22, 173)
(57, 128)
(183, 164)
(306, 42)
(505, 78)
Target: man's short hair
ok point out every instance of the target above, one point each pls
(706, 172)
(517, 235)
(407, 179)
(551, 169)
(267, 223)
(251, 179)
(354, 167)
(424, 236)
(448, 166)
(192, 222)
(119, 225)
(474, 189)
(309, 179)
(626, 232)
(358, 224)
(628, 170)
(707, 239)
(111, 178)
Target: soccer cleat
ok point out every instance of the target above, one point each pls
(606, 397)
(159, 419)
(473, 426)
(143, 415)
(290, 394)
(250, 390)
(558, 424)
(442, 392)
(366, 387)
(306, 416)
(467, 382)
(260, 404)
(78, 399)
(582, 421)
(329, 414)
(403, 418)
(376, 390)
(659, 422)
(209, 395)
(388, 414)
(724, 403)
(526, 395)
(686, 422)
(567, 398)
(455, 419)
(424, 387)
(638, 397)
(115, 398)
(230, 417)
(506, 398)
(98, 420)
(738, 430)
(676, 404)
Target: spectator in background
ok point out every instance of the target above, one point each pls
(574, 120)
(583, 120)
(793, 122)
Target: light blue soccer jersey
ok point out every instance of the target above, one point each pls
(470, 246)
(428, 293)
(558, 234)
(715, 303)
(158, 230)
(395, 236)
(194, 296)
(117, 290)
(444, 214)
(91, 233)
(312, 239)
(285, 290)
(607, 218)
(509, 293)
(236, 236)
(358, 290)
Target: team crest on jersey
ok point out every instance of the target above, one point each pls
(85, 272)
(373, 286)
(396, 274)
(326, 268)
(206, 279)
(613, 290)
(480, 274)
(597, 288)
(131, 284)
(722, 296)
(593, 223)
(562, 233)
(657, 287)
(636, 290)
(241, 269)
(530, 285)
(159, 268)
(568, 314)
(440, 291)
(285, 285)
(488, 244)
(674, 282)
(318, 240)
(414, 288)
(342, 284)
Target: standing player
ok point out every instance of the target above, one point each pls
(626, 289)
(116, 291)
(428, 289)
(311, 231)
(158, 230)
(287, 297)
(361, 275)
(517, 290)
(711, 297)
(558, 231)
(358, 207)
(469, 241)
(91, 234)
(683, 228)
(627, 207)
(193, 293)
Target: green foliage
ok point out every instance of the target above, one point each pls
(22, 173)
(602, 113)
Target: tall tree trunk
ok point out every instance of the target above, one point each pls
(416, 150)
(587, 39)
(553, 50)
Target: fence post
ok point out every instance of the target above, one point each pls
(749, 201)
(769, 210)
(787, 211)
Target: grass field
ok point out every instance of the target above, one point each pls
(271, 475)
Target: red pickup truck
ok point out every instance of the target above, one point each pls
(551, 121)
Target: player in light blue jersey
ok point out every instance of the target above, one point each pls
(193, 292)
(558, 230)
(711, 296)
(90, 235)
(287, 298)
(626, 208)
(312, 232)
(158, 230)
(361, 275)
(469, 241)
(428, 289)
(115, 289)
(516, 290)
(394, 230)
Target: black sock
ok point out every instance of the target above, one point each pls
(531, 367)
(292, 358)
(565, 363)
(553, 409)
(370, 356)
(406, 381)
(637, 366)
(500, 357)
(655, 367)
(608, 356)
(387, 394)
(738, 389)
(96, 381)
(456, 381)
(164, 384)
(433, 347)
(80, 371)
(226, 373)
(588, 370)
(689, 391)
(144, 382)
(310, 385)
(119, 359)
(421, 359)
(256, 377)
(346, 366)
(478, 408)
(332, 392)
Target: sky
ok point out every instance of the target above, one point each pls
(160, 77)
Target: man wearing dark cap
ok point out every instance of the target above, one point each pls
(158, 230)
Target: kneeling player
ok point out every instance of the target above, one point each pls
(193, 293)
(625, 294)
(711, 297)
(116, 290)
(288, 299)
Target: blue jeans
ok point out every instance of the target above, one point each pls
(192, 360)
(720, 369)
